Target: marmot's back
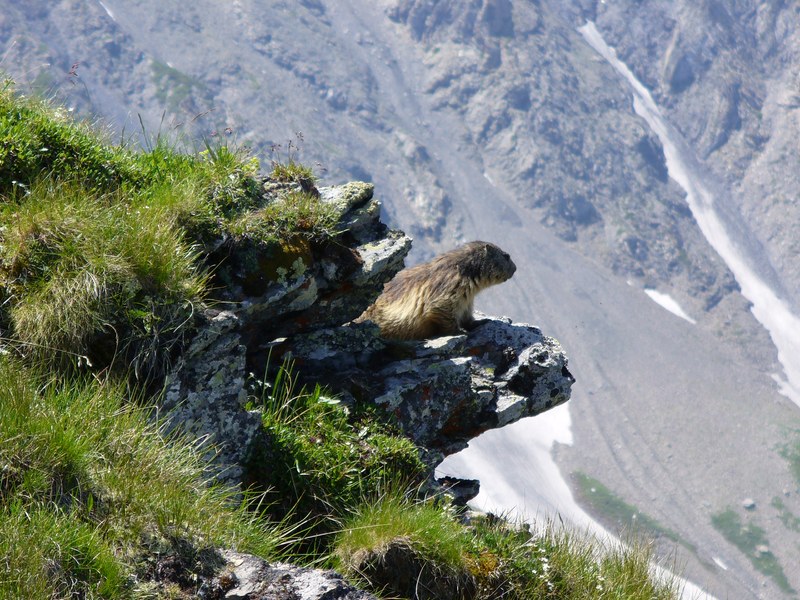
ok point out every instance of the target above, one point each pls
(436, 298)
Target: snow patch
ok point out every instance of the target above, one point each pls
(108, 10)
(719, 563)
(527, 484)
(770, 310)
(668, 302)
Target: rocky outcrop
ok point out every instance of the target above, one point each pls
(298, 285)
(445, 391)
(246, 577)
(306, 286)
(229, 575)
(205, 394)
(442, 392)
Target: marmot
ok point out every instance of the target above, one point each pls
(436, 298)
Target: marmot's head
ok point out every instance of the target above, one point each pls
(486, 263)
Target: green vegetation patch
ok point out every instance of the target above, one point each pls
(787, 517)
(78, 269)
(511, 562)
(36, 139)
(432, 531)
(791, 452)
(37, 542)
(405, 548)
(605, 502)
(751, 541)
(321, 457)
(90, 488)
(295, 214)
(490, 557)
(291, 171)
(285, 166)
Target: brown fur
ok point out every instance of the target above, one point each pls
(436, 298)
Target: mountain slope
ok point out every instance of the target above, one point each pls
(726, 74)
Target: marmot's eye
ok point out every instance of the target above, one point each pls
(506, 255)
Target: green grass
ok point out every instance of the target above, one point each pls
(36, 139)
(748, 537)
(52, 554)
(295, 214)
(432, 543)
(372, 525)
(561, 563)
(285, 166)
(499, 559)
(90, 487)
(79, 268)
(106, 252)
(291, 171)
(323, 457)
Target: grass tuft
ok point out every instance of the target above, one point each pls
(82, 271)
(53, 554)
(493, 558)
(90, 487)
(286, 169)
(431, 531)
(293, 214)
(37, 138)
(293, 172)
(323, 457)
(557, 562)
